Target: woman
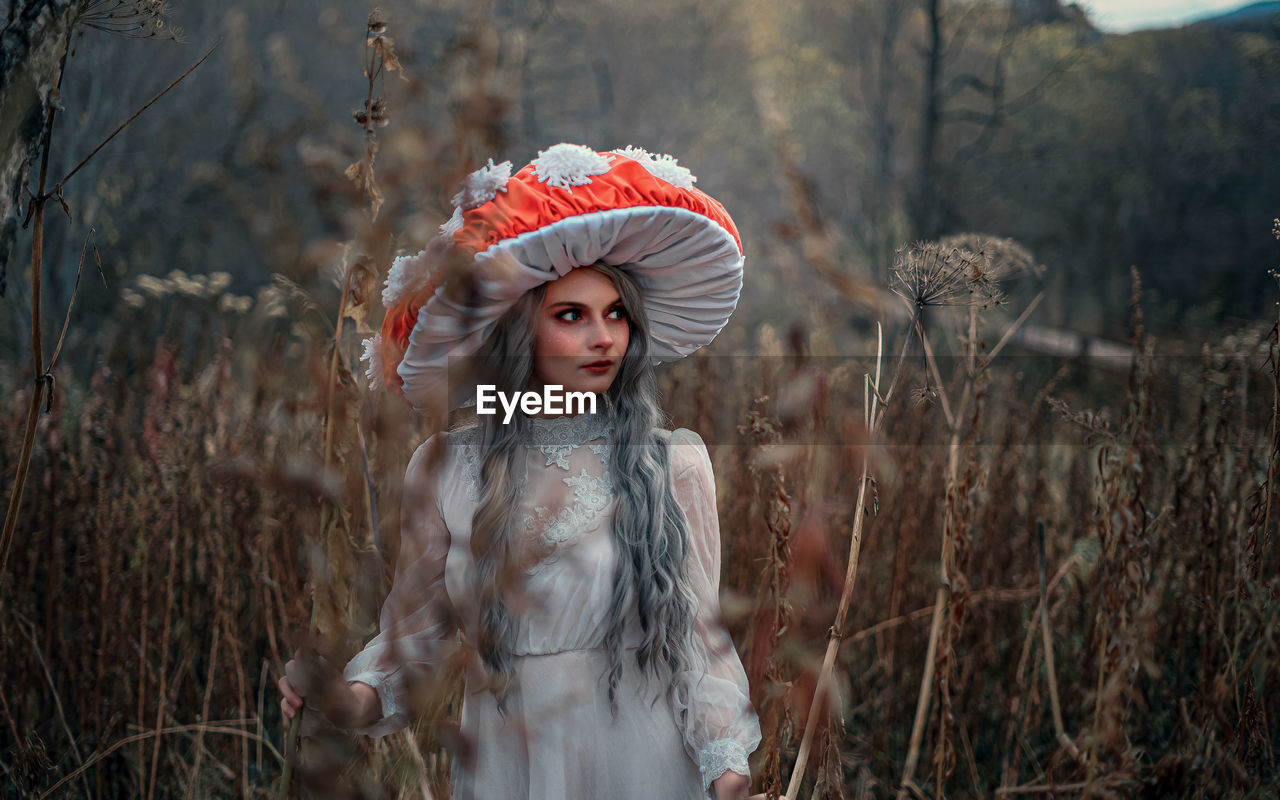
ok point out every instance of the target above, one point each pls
(579, 553)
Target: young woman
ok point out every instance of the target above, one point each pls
(577, 553)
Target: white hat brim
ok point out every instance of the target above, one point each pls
(688, 269)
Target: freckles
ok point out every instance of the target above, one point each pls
(554, 342)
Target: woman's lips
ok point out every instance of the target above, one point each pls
(598, 367)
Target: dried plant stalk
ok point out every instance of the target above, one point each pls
(360, 277)
(835, 634)
(1047, 638)
(776, 500)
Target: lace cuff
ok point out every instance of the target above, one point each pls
(386, 695)
(721, 756)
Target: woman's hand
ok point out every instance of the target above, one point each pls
(732, 786)
(347, 705)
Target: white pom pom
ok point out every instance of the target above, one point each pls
(663, 167)
(634, 153)
(408, 274)
(453, 225)
(568, 165)
(483, 185)
(667, 168)
(373, 354)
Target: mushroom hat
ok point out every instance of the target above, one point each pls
(570, 207)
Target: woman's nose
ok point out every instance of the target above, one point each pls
(600, 338)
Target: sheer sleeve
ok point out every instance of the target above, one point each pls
(720, 726)
(417, 625)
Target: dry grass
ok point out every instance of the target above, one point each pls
(217, 482)
(162, 577)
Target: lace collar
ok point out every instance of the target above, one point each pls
(573, 431)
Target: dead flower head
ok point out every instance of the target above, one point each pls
(135, 19)
(963, 270)
(375, 114)
(924, 397)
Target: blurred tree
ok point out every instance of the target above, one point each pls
(33, 48)
(1155, 150)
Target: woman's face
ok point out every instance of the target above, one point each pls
(581, 333)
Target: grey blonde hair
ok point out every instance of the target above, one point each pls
(650, 531)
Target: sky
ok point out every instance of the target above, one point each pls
(1119, 16)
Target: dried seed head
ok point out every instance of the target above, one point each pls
(378, 113)
(924, 397)
(135, 19)
(960, 270)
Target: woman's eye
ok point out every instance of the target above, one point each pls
(570, 315)
(617, 312)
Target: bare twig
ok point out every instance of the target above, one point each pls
(212, 727)
(57, 188)
(75, 289)
(1012, 329)
(378, 58)
(13, 725)
(1043, 788)
(53, 689)
(164, 653)
(834, 635)
(1005, 595)
(937, 376)
(833, 638)
(887, 394)
(208, 685)
(1063, 738)
(37, 350)
(922, 702)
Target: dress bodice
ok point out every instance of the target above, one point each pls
(562, 532)
(564, 547)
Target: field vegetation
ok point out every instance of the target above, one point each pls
(969, 551)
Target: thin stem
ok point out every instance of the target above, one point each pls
(164, 652)
(972, 344)
(897, 371)
(373, 71)
(37, 347)
(834, 637)
(880, 348)
(1063, 738)
(53, 689)
(208, 687)
(937, 375)
(212, 727)
(922, 702)
(295, 724)
(75, 289)
(1026, 312)
(58, 186)
(998, 595)
(835, 634)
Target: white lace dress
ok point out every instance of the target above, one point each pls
(559, 739)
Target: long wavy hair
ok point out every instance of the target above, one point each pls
(650, 531)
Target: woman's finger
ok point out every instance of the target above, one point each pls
(290, 693)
